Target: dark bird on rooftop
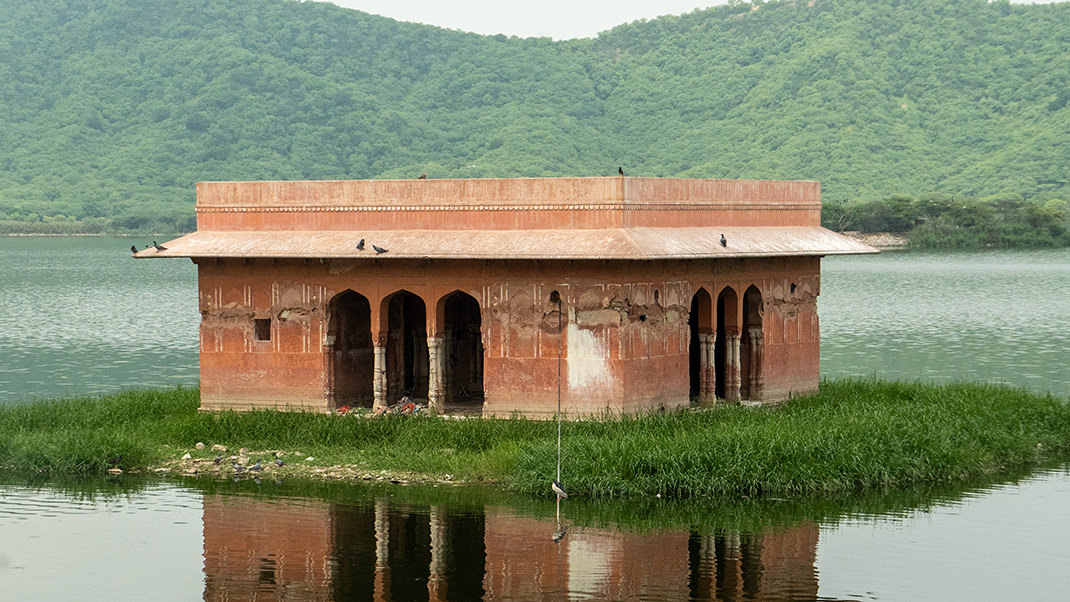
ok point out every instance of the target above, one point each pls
(724, 241)
(360, 245)
(558, 489)
(158, 246)
(423, 176)
(620, 170)
(379, 250)
(133, 249)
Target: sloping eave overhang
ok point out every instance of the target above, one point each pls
(610, 243)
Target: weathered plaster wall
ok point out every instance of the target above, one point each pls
(792, 336)
(625, 326)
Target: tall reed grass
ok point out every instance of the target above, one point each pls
(855, 435)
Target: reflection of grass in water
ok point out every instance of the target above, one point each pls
(704, 514)
(855, 436)
(700, 515)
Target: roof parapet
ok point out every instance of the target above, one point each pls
(505, 204)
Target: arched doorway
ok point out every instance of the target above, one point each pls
(348, 350)
(726, 346)
(462, 357)
(751, 381)
(700, 347)
(406, 347)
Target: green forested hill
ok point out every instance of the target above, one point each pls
(111, 110)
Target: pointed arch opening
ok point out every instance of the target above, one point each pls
(751, 381)
(462, 357)
(348, 349)
(700, 346)
(406, 347)
(725, 353)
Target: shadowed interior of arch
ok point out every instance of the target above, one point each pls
(463, 352)
(350, 358)
(406, 348)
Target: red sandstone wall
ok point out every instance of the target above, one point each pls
(623, 348)
(792, 334)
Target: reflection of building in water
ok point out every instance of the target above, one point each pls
(523, 563)
(264, 550)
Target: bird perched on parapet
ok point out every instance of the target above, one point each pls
(360, 245)
(620, 170)
(133, 249)
(379, 250)
(423, 176)
(158, 246)
(558, 489)
(724, 241)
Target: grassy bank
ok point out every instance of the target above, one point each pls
(855, 435)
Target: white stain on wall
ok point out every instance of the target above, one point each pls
(587, 359)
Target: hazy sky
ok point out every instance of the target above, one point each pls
(558, 19)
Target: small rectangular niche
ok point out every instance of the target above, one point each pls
(262, 329)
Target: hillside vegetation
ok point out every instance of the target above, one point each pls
(113, 109)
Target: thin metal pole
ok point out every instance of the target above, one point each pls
(559, 336)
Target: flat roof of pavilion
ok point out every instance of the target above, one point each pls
(510, 218)
(622, 243)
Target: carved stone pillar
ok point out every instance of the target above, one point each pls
(434, 375)
(731, 369)
(755, 378)
(329, 388)
(707, 372)
(709, 367)
(379, 387)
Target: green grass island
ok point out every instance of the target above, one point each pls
(856, 435)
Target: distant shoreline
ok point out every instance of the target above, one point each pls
(879, 240)
(64, 234)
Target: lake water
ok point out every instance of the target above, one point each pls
(81, 316)
(992, 316)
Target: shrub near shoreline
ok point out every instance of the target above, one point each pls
(855, 435)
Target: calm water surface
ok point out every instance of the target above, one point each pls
(81, 316)
(993, 316)
(246, 541)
